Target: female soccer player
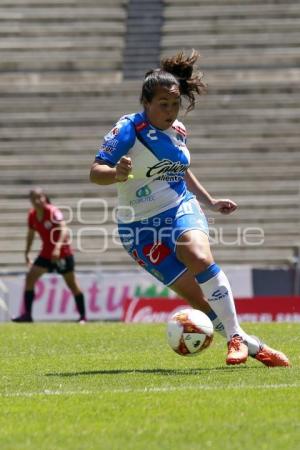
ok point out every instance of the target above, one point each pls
(56, 254)
(160, 221)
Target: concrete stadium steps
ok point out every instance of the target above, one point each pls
(100, 59)
(205, 131)
(231, 9)
(201, 159)
(29, 29)
(99, 103)
(209, 148)
(227, 59)
(239, 40)
(217, 174)
(62, 36)
(215, 9)
(245, 216)
(116, 256)
(252, 81)
(224, 25)
(238, 116)
(276, 233)
(13, 190)
(233, 34)
(60, 12)
(49, 3)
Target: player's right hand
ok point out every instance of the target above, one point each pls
(28, 259)
(123, 168)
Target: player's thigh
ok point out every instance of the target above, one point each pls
(34, 273)
(193, 250)
(187, 287)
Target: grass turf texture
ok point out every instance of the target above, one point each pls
(119, 386)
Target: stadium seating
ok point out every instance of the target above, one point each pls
(60, 67)
(61, 89)
(244, 135)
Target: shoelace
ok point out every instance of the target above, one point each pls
(235, 343)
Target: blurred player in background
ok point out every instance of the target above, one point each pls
(56, 254)
(160, 221)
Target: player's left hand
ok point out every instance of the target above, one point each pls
(224, 206)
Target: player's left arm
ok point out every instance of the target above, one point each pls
(224, 206)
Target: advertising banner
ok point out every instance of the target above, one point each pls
(104, 293)
(256, 309)
(269, 309)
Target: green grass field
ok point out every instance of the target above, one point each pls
(119, 386)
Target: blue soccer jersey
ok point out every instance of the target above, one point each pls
(159, 163)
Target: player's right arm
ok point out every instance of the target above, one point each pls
(111, 164)
(29, 241)
(103, 174)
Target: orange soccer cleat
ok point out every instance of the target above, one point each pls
(237, 350)
(272, 358)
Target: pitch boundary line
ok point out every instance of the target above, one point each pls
(166, 389)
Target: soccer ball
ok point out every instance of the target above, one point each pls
(189, 332)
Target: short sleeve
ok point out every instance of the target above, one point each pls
(182, 131)
(117, 142)
(56, 215)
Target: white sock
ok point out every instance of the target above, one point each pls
(253, 343)
(218, 292)
(218, 326)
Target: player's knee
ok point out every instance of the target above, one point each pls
(196, 260)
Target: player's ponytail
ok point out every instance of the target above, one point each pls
(178, 70)
(182, 67)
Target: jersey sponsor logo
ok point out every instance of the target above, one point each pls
(109, 146)
(152, 135)
(144, 191)
(107, 149)
(111, 142)
(48, 224)
(143, 196)
(156, 252)
(167, 170)
(114, 132)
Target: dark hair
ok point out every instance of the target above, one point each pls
(178, 70)
(38, 190)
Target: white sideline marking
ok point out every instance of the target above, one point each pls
(151, 389)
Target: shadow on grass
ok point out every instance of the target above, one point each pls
(168, 372)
